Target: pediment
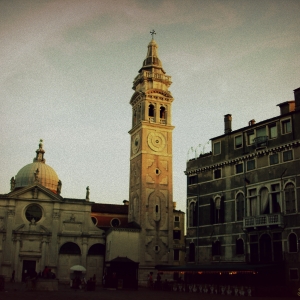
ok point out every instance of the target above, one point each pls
(35, 191)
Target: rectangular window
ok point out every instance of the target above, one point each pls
(176, 254)
(261, 131)
(239, 168)
(217, 174)
(176, 221)
(238, 142)
(287, 155)
(176, 234)
(250, 165)
(286, 126)
(250, 137)
(294, 274)
(217, 148)
(272, 131)
(192, 179)
(274, 159)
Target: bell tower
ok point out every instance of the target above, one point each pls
(151, 183)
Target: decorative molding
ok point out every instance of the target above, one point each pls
(258, 153)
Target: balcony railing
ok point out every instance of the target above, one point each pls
(260, 141)
(263, 220)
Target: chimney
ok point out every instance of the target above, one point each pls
(286, 107)
(297, 98)
(174, 205)
(125, 202)
(227, 124)
(251, 122)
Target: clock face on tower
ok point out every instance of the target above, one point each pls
(135, 143)
(156, 141)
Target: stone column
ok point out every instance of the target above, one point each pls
(84, 251)
(43, 258)
(53, 253)
(8, 244)
(16, 259)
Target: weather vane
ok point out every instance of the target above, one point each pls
(152, 32)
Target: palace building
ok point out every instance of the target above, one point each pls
(243, 202)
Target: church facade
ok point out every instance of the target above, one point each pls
(39, 228)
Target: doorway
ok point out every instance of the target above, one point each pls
(28, 268)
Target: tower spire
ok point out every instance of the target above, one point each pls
(152, 61)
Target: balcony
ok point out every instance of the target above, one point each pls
(260, 142)
(263, 220)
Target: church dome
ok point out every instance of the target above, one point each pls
(38, 172)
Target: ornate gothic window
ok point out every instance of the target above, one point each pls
(217, 210)
(264, 201)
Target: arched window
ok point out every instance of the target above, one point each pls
(97, 249)
(217, 210)
(240, 206)
(192, 252)
(69, 248)
(193, 214)
(151, 110)
(162, 112)
(264, 201)
(290, 199)
(239, 246)
(293, 243)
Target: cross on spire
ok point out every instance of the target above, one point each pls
(152, 33)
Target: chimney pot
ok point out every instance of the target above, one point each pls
(227, 124)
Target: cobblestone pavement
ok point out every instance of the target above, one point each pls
(18, 291)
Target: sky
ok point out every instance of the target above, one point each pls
(67, 68)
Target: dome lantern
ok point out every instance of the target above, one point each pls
(38, 172)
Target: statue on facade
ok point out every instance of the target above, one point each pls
(87, 197)
(36, 175)
(12, 183)
(59, 184)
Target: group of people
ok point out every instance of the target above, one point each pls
(83, 284)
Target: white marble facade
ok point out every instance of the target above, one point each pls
(38, 228)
